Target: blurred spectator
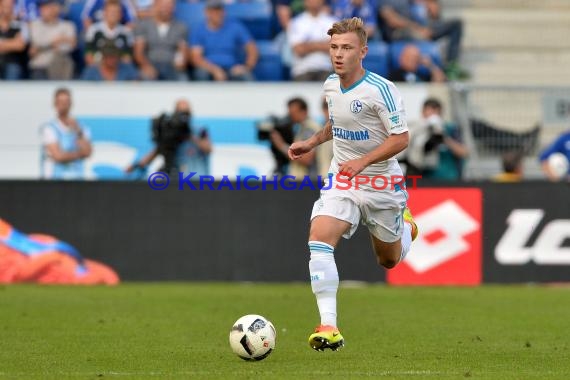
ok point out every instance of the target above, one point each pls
(109, 29)
(512, 167)
(181, 147)
(26, 10)
(94, 10)
(195, 153)
(13, 41)
(287, 10)
(415, 67)
(363, 9)
(562, 146)
(421, 20)
(435, 150)
(307, 36)
(218, 45)
(160, 44)
(144, 8)
(65, 143)
(303, 127)
(110, 67)
(51, 42)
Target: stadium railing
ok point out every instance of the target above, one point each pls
(495, 119)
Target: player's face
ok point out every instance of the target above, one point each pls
(346, 53)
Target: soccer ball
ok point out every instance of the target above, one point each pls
(558, 164)
(252, 337)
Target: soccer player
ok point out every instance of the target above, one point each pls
(367, 124)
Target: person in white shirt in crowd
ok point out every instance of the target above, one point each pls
(51, 42)
(307, 37)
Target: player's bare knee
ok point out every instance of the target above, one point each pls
(385, 259)
(387, 262)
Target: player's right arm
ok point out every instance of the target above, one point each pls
(297, 149)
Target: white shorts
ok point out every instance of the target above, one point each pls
(380, 210)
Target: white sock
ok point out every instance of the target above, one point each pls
(406, 240)
(324, 280)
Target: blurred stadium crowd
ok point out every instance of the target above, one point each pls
(265, 40)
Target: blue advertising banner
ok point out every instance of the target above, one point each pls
(121, 141)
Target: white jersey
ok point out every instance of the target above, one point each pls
(362, 117)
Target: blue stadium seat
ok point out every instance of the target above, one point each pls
(269, 67)
(73, 14)
(377, 58)
(189, 14)
(255, 15)
(428, 48)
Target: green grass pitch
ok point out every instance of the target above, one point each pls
(180, 331)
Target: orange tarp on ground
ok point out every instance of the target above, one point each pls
(44, 259)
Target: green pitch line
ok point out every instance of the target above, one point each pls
(180, 331)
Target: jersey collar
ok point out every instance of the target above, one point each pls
(345, 90)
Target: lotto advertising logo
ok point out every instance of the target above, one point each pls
(527, 233)
(547, 249)
(448, 248)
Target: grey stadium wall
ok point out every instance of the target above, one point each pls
(262, 235)
(181, 235)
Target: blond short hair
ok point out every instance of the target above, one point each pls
(349, 25)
